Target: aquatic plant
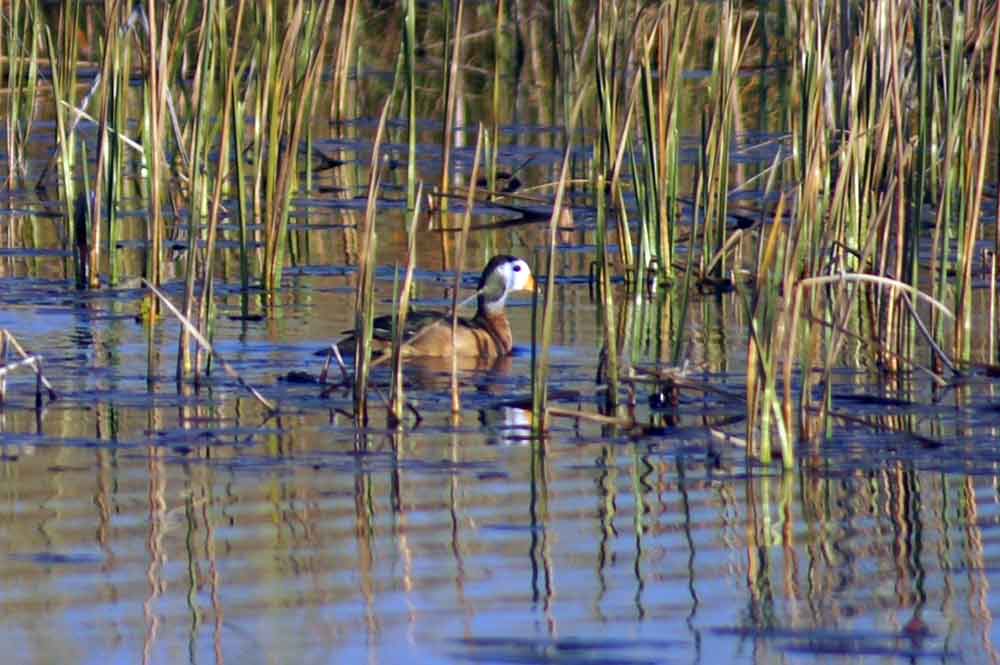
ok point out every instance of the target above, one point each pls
(865, 230)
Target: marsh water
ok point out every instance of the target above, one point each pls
(142, 521)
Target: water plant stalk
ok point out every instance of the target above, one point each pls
(364, 299)
(463, 240)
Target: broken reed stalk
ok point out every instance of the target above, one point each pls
(8, 339)
(207, 346)
(334, 354)
(892, 284)
(463, 239)
(35, 362)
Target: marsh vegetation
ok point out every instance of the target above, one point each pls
(765, 238)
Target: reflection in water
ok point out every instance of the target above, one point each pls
(445, 544)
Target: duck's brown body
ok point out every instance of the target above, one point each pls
(486, 336)
(483, 336)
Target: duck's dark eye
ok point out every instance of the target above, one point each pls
(517, 268)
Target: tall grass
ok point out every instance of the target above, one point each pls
(866, 231)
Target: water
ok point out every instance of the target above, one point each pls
(143, 524)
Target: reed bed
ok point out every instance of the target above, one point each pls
(866, 228)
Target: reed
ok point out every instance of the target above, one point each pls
(409, 50)
(499, 67)
(105, 179)
(286, 114)
(63, 57)
(451, 70)
(397, 400)
(341, 75)
(118, 115)
(21, 40)
(154, 138)
(945, 181)
(463, 240)
(666, 44)
(606, 68)
(982, 103)
(726, 62)
(364, 300)
(244, 194)
(766, 337)
(228, 57)
(204, 89)
(542, 334)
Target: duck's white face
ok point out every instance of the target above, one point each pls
(517, 276)
(504, 278)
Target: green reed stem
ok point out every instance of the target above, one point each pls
(409, 43)
(463, 239)
(604, 66)
(198, 155)
(229, 49)
(540, 355)
(451, 74)
(499, 66)
(398, 398)
(364, 310)
(244, 195)
(60, 69)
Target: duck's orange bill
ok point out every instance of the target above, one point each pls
(530, 286)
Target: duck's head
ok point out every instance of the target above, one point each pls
(502, 276)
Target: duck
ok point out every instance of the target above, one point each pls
(486, 336)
